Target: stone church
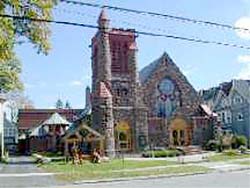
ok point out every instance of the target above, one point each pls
(154, 107)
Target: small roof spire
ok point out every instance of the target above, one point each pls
(103, 15)
(103, 20)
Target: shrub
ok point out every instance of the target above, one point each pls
(162, 153)
(242, 149)
(239, 141)
(211, 145)
(231, 152)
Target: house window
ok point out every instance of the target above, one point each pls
(240, 117)
(219, 117)
(223, 116)
(237, 100)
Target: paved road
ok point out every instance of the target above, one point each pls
(235, 179)
(22, 172)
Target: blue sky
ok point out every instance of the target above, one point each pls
(66, 71)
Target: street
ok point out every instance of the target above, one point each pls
(235, 179)
(23, 172)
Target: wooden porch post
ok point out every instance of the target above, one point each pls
(102, 146)
(66, 148)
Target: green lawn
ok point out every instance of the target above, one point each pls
(105, 166)
(247, 162)
(113, 169)
(228, 156)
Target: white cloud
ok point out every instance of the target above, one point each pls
(246, 1)
(245, 71)
(243, 22)
(244, 58)
(76, 83)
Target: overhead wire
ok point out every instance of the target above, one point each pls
(156, 14)
(135, 31)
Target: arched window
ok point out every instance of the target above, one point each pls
(240, 117)
(124, 91)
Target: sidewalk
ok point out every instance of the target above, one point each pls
(224, 166)
(219, 166)
(1, 167)
(185, 159)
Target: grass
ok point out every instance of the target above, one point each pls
(50, 154)
(247, 163)
(105, 166)
(90, 171)
(228, 155)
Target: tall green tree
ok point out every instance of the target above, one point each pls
(14, 30)
(59, 104)
(9, 75)
(67, 105)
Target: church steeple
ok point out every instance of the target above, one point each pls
(102, 110)
(104, 48)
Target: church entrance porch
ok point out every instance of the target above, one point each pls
(179, 133)
(83, 138)
(123, 138)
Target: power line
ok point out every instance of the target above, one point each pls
(48, 21)
(135, 31)
(113, 20)
(142, 12)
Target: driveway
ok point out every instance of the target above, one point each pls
(22, 172)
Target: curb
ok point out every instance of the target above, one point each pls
(137, 178)
(155, 176)
(234, 170)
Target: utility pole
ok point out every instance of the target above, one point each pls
(2, 100)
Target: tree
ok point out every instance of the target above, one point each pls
(9, 75)
(17, 100)
(13, 30)
(59, 104)
(67, 105)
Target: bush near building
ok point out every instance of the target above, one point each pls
(162, 153)
(239, 141)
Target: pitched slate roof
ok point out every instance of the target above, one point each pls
(147, 71)
(209, 94)
(56, 119)
(241, 86)
(29, 118)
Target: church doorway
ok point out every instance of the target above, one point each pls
(123, 136)
(179, 132)
(178, 137)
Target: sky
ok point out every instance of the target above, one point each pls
(66, 71)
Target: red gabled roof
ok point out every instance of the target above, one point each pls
(29, 118)
(104, 91)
